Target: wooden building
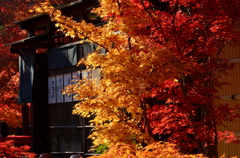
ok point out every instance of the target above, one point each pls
(47, 63)
(230, 94)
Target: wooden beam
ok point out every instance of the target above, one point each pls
(234, 60)
(233, 97)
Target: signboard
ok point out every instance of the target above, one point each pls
(76, 77)
(51, 90)
(86, 74)
(59, 88)
(96, 75)
(67, 78)
(56, 84)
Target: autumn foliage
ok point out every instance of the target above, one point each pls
(10, 111)
(155, 150)
(7, 149)
(160, 74)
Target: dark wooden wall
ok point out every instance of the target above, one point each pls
(68, 133)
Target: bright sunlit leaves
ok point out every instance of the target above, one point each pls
(160, 73)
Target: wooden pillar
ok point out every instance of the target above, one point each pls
(25, 119)
(39, 107)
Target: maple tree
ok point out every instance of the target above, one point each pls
(160, 73)
(7, 149)
(155, 150)
(10, 111)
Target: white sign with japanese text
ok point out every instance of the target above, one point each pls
(76, 77)
(51, 90)
(59, 88)
(67, 81)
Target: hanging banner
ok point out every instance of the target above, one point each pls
(59, 88)
(26, 70)
(86, 74)
(76, 77)
(67, 81)
(96, 75)
(51, 90)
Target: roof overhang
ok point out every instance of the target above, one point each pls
(30, 42)
(39, 21)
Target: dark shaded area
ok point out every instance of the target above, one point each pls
(4, 129)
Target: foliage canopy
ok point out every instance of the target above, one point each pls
(160, 73)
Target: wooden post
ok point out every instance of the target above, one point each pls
(25, 119)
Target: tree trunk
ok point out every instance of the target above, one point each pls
(211, 149)
(145, 119)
